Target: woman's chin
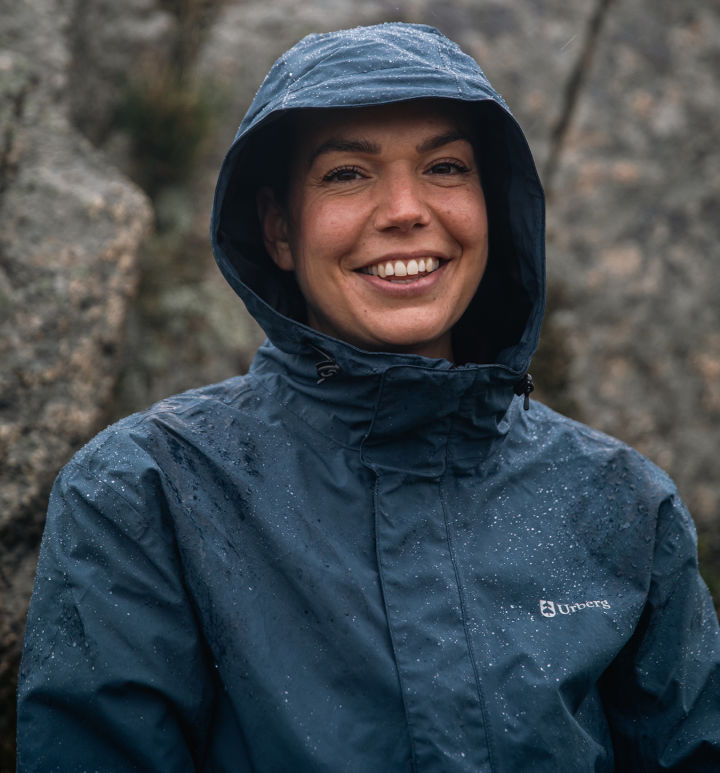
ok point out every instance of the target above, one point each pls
(433, 347)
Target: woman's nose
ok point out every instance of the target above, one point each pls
(400, 204)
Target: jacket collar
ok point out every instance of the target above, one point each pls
(405, 413)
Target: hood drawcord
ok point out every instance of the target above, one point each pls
(327, 367)
(524, 387)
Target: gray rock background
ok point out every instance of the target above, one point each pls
(100, 316)
(70, 229)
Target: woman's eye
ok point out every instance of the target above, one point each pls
(342, 174)
(448, 167)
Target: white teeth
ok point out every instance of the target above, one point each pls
(399, 268)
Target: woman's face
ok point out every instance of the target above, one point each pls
(385, 225)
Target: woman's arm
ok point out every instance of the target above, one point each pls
(663, 692)
(114, 674)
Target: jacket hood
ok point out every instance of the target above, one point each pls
(377, 65)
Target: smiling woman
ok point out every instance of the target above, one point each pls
(385, 227)
(372, 552)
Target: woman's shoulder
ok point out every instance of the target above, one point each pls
(581, 447)
(142, 470)
(197, 418)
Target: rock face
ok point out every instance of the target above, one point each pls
(69, 237)
(619, 102)
(635, 238)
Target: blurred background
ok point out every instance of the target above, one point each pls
(114, 118)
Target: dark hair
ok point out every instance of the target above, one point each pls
(278, 142)
(497, 315)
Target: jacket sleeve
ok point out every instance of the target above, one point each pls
(114, 675)
(663, 692)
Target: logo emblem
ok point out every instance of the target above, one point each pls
(547, 608)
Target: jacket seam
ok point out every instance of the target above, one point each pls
(111, 489)
(381, 577)
(468, 640)
(669, 502)
(447, 68)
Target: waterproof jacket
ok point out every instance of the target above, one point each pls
(369, 562)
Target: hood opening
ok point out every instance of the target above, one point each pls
(499, 313)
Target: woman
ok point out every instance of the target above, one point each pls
(368, 554)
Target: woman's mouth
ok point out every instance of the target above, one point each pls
(401, 271)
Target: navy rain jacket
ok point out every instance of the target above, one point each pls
(369, 562)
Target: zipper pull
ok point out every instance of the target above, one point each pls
(524, 387)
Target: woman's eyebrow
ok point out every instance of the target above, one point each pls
(341, 145)
(442, 139)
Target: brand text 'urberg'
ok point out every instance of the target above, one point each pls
(552, 608)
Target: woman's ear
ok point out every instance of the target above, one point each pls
(274, 225)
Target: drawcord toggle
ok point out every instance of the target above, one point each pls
(327, 367)
(524, 387)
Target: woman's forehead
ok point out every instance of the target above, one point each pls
(361, 128)
(313, 127)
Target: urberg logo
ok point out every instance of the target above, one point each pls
(552, 608)
(547, 608)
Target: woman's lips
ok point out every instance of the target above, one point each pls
(403, 270)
